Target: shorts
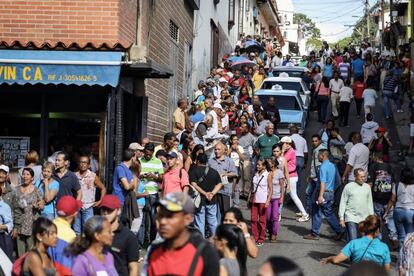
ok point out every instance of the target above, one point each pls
(411, 130)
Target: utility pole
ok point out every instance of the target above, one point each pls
(367, 17)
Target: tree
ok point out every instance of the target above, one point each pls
(307, 26)
(314, 43)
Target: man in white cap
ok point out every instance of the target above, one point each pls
(5, 185)
(137, 148)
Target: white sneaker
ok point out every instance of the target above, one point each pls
(400, 111)
(303, 218)
(299, 214)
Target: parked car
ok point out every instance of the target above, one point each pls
(290, 83)
(290, 105)
(292, 71)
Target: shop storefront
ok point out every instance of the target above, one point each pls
(77, 101)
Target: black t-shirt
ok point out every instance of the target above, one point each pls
(162, 261)
(68, 185)
(380, 174)
(208, 182)
(125, 249)
(411, 106)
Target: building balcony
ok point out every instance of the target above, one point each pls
(269, 10)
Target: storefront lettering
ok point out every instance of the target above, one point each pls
(10, 73)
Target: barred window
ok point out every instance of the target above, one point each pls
(174, 31)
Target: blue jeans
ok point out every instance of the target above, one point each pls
(309, 195)
(300, 162)
(388, 95)
(324, 210)
(403, 219)
(389, 221)
(323, 102)
(206, 213)
(81, 218)
(351, 230)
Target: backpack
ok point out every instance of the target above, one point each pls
(17, 268)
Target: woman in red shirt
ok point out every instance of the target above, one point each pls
(359, 88)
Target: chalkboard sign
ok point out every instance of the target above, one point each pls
(14, 150)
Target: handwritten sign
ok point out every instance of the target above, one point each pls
(14, 150)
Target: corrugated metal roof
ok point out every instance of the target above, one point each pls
(67, 45)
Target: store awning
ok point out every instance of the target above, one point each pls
(60, 67)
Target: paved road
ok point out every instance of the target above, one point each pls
(290, 241)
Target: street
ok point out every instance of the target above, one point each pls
(290, 242)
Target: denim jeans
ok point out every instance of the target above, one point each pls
(300, 162)
(351, 230)
(324, 210)
(81, 218)
(389, 221)
(206, 213)
(309, 195)
(403, 219)
(323, 102)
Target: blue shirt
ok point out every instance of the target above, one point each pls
(327, 174)
(358, 66)
(198, 117)
(50, 207)
(6, 216)
(377, 251)
(328, 70)
(140, 190)
(121, 171)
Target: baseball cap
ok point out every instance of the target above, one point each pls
(217, 105)
(222, 79)
(68, 205)
(178, 202)
(172, 155)
(286, 139)
(201, 82)
(252, 54)
(4, 168)
(210, 80)
(110, 202)
(380, 129)
(135, 146)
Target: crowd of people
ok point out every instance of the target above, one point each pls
(181, 200)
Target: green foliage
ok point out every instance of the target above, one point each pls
(314, 43)
(308, 26)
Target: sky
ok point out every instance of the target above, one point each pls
(330, 16)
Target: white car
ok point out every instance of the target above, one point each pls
(289, 83)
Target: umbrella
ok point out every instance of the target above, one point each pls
(234, 58)
(241, 62)
(253, 46)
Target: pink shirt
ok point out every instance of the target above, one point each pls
(171, 181)
(290, 156)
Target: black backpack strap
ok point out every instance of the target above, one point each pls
(194, 263)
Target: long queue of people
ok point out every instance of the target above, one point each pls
(223, 151)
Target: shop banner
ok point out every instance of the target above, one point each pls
(60, 67)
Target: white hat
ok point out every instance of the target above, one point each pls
(217, 105)
(252, 54)
(230, 74)
(135, 146)
(286, 139)
(222, 79)
(4, 168)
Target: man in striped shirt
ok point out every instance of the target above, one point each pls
(151, 176)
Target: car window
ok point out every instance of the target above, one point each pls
(283, 102)
(294, 74)
(287, 85)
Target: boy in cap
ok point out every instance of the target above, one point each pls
(174, 216)
(175, 179)
(124, 248)
(67, 209)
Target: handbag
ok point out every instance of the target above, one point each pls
(251, 195)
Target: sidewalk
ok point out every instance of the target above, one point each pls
(402, 125)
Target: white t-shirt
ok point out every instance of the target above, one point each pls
(336, 85)
(300, 144)
(345, 94)
(358, 158)
(235, 156)
(214, 115)
(369, 96)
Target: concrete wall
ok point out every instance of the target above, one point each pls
(202, 36)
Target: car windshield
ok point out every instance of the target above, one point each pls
(287, 85)
(294, 74)
(282, 102)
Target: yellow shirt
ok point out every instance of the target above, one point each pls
(178, 117)
(257, 80)
(64, 231)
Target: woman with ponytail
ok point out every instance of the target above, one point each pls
(91, 256)
(368, 247)
(231, 244)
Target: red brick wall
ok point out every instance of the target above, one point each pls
(68, 21)
(159, 44)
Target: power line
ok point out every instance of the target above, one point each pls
(342, 15)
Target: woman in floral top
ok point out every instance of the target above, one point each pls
(26, 205)
(406, 259)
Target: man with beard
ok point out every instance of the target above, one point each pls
(180, 246)
(124, 247)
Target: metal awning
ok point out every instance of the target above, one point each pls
(148, 69)
(60, 67)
